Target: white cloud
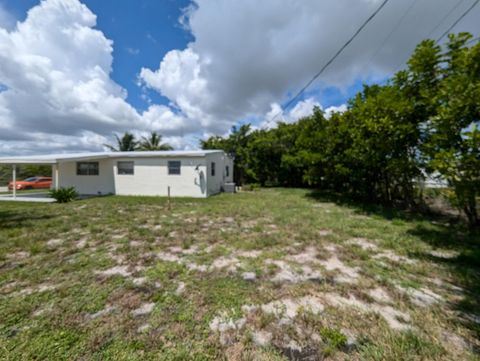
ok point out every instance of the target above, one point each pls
(249, 54)
(302, 109)
(335, 109)
(132, 51)
(55, 68)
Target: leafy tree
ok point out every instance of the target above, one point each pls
(153, 142)
(424, 119)
(126, 143)
(24, 171)
(452, 146)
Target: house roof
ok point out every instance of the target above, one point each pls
(59, 158)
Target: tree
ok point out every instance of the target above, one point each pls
(126, 143)
(453, 143)
(153, 142)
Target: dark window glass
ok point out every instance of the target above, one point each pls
(87, 168)
(213, 169)
(125, 168)
(227, 171)
(174, 167)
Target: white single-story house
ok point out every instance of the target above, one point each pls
(153, 173)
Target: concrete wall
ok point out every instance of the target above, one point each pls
(151, 177)
(102, 183)
(215, 183)
(229, 163)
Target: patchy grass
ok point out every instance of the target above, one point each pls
(274, 274)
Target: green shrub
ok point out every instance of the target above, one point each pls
(251, 187)
(64, 195)
(334, 340)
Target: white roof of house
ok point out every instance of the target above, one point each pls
(58, 158)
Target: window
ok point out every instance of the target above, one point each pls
(212, 169)
(227, 171)
(87, 168)
(174, 167)
(125, 168)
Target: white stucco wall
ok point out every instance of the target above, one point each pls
(215, 183)
(229, 162)
(102, 183)
(151, 177)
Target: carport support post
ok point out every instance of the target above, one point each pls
(14, 178)
(55, 174)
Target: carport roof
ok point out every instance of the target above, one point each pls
(59, 158)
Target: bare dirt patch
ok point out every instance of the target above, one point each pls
(397, 320)
(143, 310)
(423, 297)
(363, 243)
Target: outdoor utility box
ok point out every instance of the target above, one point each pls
(229, 187)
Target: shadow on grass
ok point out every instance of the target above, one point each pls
(420, 214)
(439, 231)
(13, 219)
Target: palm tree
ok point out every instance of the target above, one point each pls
(125, 144)
(154, 142)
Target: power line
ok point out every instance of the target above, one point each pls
(413, 3)
(290, 102)
(445, 18)
(458, 20)
(397, 68)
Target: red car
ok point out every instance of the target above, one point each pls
(32, 183)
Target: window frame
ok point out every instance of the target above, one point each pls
(212, 169)
(126, 173)
(170, 167)
(227, 171)
(90, 171)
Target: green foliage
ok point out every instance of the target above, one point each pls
(334, 339)
(126, 143)
(236, 146)
(64, 195)
(24, 171)
(422, 121)
(153, 142)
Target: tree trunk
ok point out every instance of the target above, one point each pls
(472, 215)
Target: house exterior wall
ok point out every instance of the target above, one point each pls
(229, 163)
(103, 183)
(215, 183)
(151, 177)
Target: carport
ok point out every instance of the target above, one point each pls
(14, 162)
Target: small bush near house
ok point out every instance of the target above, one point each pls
(64, 195)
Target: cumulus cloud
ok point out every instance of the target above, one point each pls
(302, 109)
(249, 54)
(55, 70)
(247, 57)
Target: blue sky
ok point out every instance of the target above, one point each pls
(142, 31)
(191, 69)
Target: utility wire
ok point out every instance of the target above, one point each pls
(400, 21)
(301, 91)
(397, 68)
(445, 18)
(458, 20)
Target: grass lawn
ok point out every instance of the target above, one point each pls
(275, 274)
